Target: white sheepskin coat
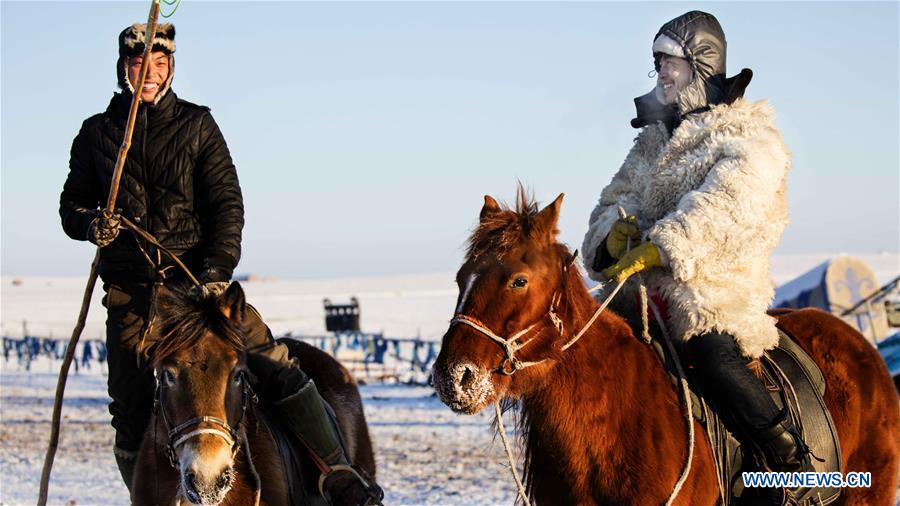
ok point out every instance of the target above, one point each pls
(712, 198)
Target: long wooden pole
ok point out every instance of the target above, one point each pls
(92, 277)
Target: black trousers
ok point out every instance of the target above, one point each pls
(723, 374)
(130, 383)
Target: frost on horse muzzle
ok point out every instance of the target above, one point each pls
(206, 466)
(463, 386)
(203, 450)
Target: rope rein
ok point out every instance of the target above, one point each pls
(682, 379)
(594, 316)
(510, 346)
(152, 240)
(686, 396)
(512, 463)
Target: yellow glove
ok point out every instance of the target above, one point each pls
(638, 259)
(621, 231)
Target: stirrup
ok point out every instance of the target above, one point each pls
(373, 493)
(787, 498)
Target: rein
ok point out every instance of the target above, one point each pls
(511, 345)
(511, 364)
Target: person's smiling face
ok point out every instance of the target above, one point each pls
(157, 74)
(673, 76)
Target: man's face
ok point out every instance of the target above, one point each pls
(673, 76)
(157, 74)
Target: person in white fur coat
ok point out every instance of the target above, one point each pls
(704, 191)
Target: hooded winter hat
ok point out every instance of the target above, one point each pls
(698, 38)
(131, 43)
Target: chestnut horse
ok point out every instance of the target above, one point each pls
(601, 422)
(207, 427)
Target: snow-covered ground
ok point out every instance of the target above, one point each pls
(426, 454)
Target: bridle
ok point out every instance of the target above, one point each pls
(180, 434)
(510, 364)
(510, 345)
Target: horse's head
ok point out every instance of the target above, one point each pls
(507, 314)
(202, 388)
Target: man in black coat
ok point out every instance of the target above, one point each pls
(180, 185)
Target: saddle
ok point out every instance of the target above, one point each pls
(298, 466)
(796, 384)
(297, 461)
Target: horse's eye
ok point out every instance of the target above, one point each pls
(168, 377)
(239, 378)
(519, 283)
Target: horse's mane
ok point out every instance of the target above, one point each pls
(185, 318)
(501, 230)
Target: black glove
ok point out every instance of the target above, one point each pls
(104, 228)
(211, 289)
(212, 274)
(212, 284)
(274, 380)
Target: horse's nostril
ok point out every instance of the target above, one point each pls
(224, 479)
(468, 377)
(191, 480)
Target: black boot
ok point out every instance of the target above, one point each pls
(784, 452)
(302, 411)
(306, 415)
(783, 448)
(731, 386)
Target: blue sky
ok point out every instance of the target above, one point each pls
(365, 134)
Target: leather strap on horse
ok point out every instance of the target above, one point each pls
(92, 277)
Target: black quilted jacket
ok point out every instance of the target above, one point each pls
(179, 184)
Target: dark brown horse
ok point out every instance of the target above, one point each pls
(601, 422)
(207, 423)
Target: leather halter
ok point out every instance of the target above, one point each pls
(510, 364)
(179, 435)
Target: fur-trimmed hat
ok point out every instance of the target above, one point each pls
(131, 43)
(131, 40)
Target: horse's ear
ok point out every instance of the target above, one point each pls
(490, 207)
(233, 302)
(545, 221)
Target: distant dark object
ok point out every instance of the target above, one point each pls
(342, 317)
(892, 307)
(18, 282)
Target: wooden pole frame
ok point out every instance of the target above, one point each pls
(92, 277)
